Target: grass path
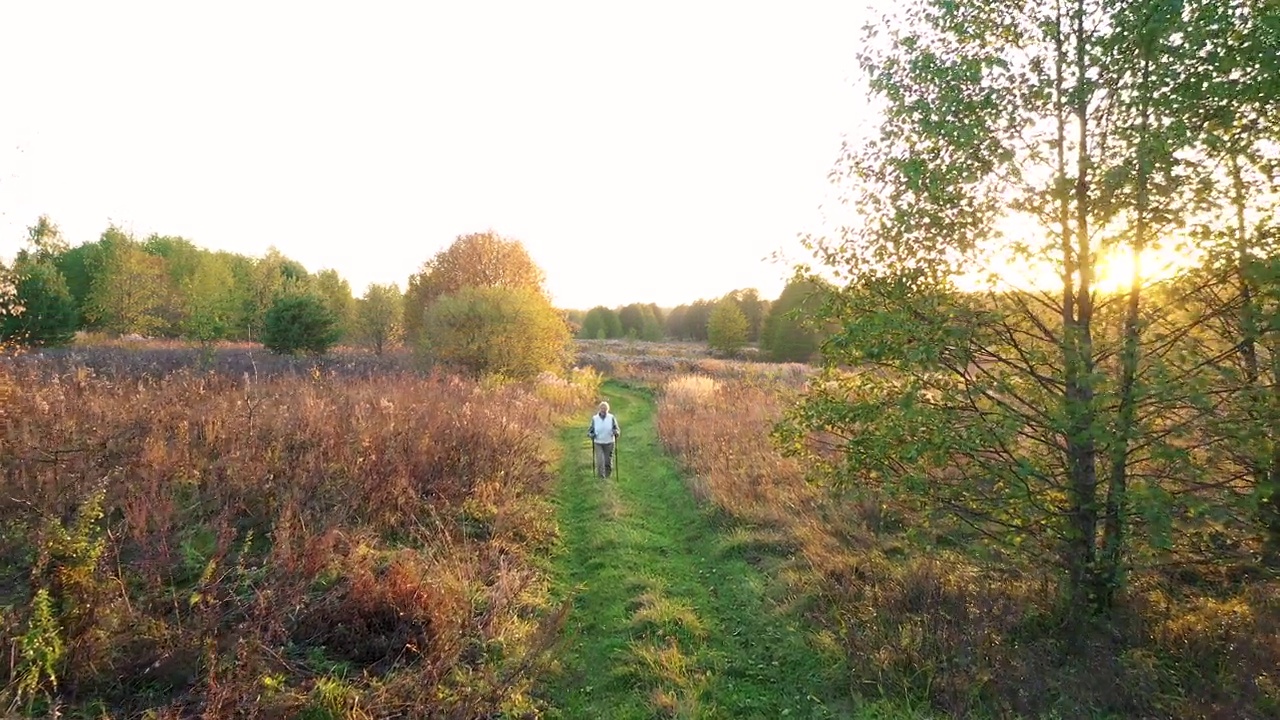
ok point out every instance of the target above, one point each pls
(669, 618)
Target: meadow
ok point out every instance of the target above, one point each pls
(186, 533)
(224, 532)
(924, 611)
(1036, 475)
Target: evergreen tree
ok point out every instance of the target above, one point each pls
(299, 323)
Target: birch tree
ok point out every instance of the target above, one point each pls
(1006, 379)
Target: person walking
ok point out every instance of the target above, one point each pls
(603, 432)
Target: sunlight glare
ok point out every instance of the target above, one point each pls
(1114, 272)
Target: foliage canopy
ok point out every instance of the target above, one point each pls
(509, 332)
(300, 323)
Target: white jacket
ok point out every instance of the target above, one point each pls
(603, 429)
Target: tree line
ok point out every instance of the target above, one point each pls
(166, 286)
(479, 305)
(786, 329)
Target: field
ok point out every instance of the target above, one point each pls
(240, 534)
(227, 533)
(946, 362)
(923, 611)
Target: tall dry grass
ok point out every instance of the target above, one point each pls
(654, 364)
(921, 614)
(218, 544)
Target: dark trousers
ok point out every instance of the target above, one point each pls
(604, 459)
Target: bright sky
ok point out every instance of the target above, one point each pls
(654, 151)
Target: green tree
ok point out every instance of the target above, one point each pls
(674, 324)
(575, 318)
(754, 308)
(380, 313)
(642, 321)
(268, 279)
(632, 319)
(76, 265)
(476, 260)
(243, 271)
(509, 332)
(181, 261)
(337, 294)
(8, 292)
(651, 327)
(727, 327)
(601, 323)
(9, 305)
(1018, 408)
(209, 302)
(696, 319)
(789, 332)
(128, 287)
(45, 239)
(299, 323)
(48, 313)
(689, 321)
(1235, 93)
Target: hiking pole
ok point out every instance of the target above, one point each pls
(617, 472)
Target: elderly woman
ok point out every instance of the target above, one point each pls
(603, 432)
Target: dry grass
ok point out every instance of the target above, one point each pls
(323, 540)
(938, 624)
(654, 364)
(690, 390)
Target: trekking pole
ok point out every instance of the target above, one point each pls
(617, 472)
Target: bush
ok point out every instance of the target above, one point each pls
(512, 332)
(299, 323)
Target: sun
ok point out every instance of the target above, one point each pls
(1116, 269)
(1113, 271)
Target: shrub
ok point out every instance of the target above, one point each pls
(512, 332)
(299, 323)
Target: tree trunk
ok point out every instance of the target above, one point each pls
(1260, 404)
(1269, 493)
(1113, 536)
(1081, 442)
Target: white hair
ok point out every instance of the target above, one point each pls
(604, 405)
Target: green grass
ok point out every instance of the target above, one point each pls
(670, 618)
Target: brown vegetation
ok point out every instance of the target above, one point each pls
(325, 539)
(919, 610)
(654, 362)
